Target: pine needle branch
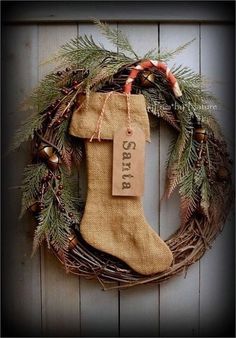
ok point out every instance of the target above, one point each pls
(117, 38)
(32, 176)
(26, 131)
(168, 55)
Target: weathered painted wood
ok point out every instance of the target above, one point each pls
(99, 309)
(179, 297)
(60, 292)
(217, 274)
(21, 296)
(139, 307)
(73, 11)
(60, 299)
(139, 311)
(51, 38)
(217, 65)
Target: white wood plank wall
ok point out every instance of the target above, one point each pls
(40, 298)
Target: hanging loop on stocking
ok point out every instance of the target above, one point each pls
(100, 119)
(160, 66)
(129, 129)
(98, 128)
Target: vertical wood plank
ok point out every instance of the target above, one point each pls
(99, 309)
(21, 297)
(217, 278)
(139, 307)
(179, 297)
(60, 292)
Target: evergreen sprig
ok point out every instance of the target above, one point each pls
(32, 177)
(27, 130)
(167, 55)
(47, 92)
(52, 225)
(117, 38)
(54, 220)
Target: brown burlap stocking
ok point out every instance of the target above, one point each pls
(114, 224)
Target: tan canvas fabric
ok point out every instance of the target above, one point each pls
(113, 224)
(84, 120)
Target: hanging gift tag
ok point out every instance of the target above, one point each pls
(128, 162)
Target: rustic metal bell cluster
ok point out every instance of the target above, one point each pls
(47, 154)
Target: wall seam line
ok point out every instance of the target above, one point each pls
(199, 263)
(159, 192)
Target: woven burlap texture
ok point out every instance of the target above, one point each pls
(85, 118)
(116, 225)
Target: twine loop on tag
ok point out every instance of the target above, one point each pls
(98, 128)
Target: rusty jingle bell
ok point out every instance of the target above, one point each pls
(35, 207)
(45, 151)
(147, 78)
(53, 162)
(200, 134)
(73, 241)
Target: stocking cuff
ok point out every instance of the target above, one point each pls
(92, 115)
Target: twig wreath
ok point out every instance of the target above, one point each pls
(198, 164)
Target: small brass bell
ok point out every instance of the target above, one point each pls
(53, 162)
(200, 134)
(147, 78)
(36, 207)
(45, 151)
(73, 241)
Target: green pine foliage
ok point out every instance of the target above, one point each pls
(85, 53)
(32, 176)
(167, 55)
(71, 194)
(117, 38)
(52, 226)
(27, 129)
(47, 92)
(55, 224)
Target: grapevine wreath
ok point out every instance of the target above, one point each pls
(198, 164)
